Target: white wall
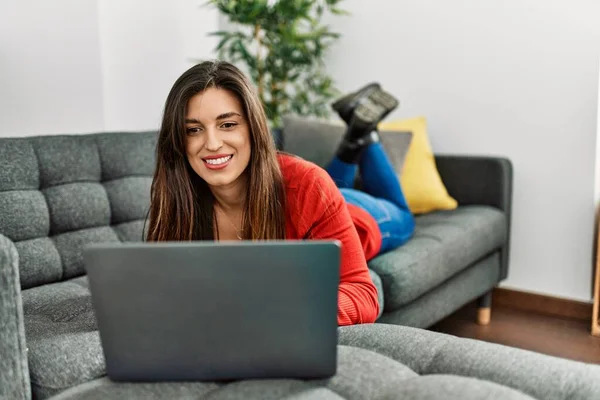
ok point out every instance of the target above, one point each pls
(597, 184)
(50, 72)
(145, 46)
(69, 66)
(517, 78)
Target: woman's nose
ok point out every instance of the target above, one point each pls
(213, 141)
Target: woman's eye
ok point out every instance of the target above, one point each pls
(228, 125)
(193, 131)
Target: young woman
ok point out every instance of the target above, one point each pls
(218, 177)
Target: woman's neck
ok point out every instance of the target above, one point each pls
(231, 197)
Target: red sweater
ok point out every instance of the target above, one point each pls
(317, 210)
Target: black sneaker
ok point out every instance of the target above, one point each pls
(345, 105)
(366, 117)
(361, 132)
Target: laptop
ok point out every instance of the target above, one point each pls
(216, 311)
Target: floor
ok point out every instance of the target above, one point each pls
(567, 338)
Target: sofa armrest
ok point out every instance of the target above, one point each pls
(477, 180)
(480, 180)
(14, 377)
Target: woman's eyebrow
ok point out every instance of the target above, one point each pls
(228, 115)
(220, 116)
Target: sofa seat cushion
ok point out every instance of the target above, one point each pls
(444, 243)
(379, 285)
(63, 342)
(361, 374)
(433, 354)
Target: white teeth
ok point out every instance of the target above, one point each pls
(217, 161)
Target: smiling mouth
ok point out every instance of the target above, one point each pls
(217, 161)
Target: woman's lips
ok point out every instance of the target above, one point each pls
(219, 161)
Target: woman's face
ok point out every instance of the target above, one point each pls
(217, 137)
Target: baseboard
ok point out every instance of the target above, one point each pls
(542, 304)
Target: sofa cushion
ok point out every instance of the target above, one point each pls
(60, 192)
(450, 387)
(431, 353)
(64, 159)
(377, 282)
(444, 243)
(361, 374)
(18, 165)
(62, 337)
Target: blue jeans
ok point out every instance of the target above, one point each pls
(382, 197)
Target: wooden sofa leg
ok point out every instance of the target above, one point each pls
(484, 308)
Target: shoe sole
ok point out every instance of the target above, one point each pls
(384, 99)
(342, 104)
(369, 113)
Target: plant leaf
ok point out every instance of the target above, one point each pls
(286, 58)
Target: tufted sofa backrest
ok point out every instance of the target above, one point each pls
(59, 193)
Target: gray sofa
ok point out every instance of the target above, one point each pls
(58, 193)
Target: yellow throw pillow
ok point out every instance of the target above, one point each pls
(420, 179)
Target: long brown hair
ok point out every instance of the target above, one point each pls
(181, 203)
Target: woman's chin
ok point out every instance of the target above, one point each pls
(220, 181)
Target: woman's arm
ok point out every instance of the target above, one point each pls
(326, 216)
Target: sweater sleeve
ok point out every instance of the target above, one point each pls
(326, 216)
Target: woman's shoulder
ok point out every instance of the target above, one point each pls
(297, 171)
(310, 192)
(302, 177)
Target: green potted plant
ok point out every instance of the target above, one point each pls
(281, 44)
